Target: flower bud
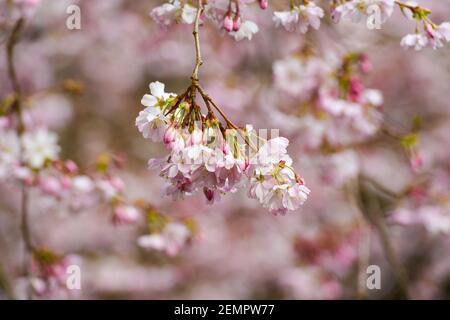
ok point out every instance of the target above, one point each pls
(125, 214)
(117, 183)
(228, 23)
(71, 166)
(51, 186)
(169, 135)
(430, 31)
(364, 64)
(237, 23)
(416, 162)
(196, 137)
(356, 89)
(263, 4)
(66, 182)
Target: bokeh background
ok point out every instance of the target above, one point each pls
(241, 251)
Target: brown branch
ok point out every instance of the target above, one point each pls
(370, 205)
(198, 54)
(24, 216)
(351, 191)
(10, 45)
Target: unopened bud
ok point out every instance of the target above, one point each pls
(237, 23)
(263, 4)
(228, 23)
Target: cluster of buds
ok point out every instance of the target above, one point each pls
(216, 157)
(232, 19)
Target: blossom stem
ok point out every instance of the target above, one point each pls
(198, 54)
(195, 79)
(17, 107)
(413, 8)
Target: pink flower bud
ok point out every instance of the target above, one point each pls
(228, 23)
(430, 31)
(365, 64)
(237, 23)
(71, 166)
(169, 135)
(66, 182)
(117, 184)
(125, 215)
(51, 186)
(356, 89)
(416, 161)
(5, 122)
(196, 137)
(263, 4)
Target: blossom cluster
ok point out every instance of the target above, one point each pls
(32, 158)
(433, 35)
(227, 15)
(299, 18)
(336, 108)
(207, 156)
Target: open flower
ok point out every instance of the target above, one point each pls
(437, 34)
(246, 31)
(39, 145)
(274, 182)
(354, 10)
(417, 41)
(151, 121)
(299, 18)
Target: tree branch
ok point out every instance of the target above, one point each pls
(198, 54)
(17, 107)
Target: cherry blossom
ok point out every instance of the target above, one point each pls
(299, 18)
(355, 9)
(351, 107)
(151, 121)
(40, 146)
(173, 11)
(215, 161)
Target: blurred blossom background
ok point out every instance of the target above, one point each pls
(379, 192)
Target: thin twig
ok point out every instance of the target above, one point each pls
(198, 54)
